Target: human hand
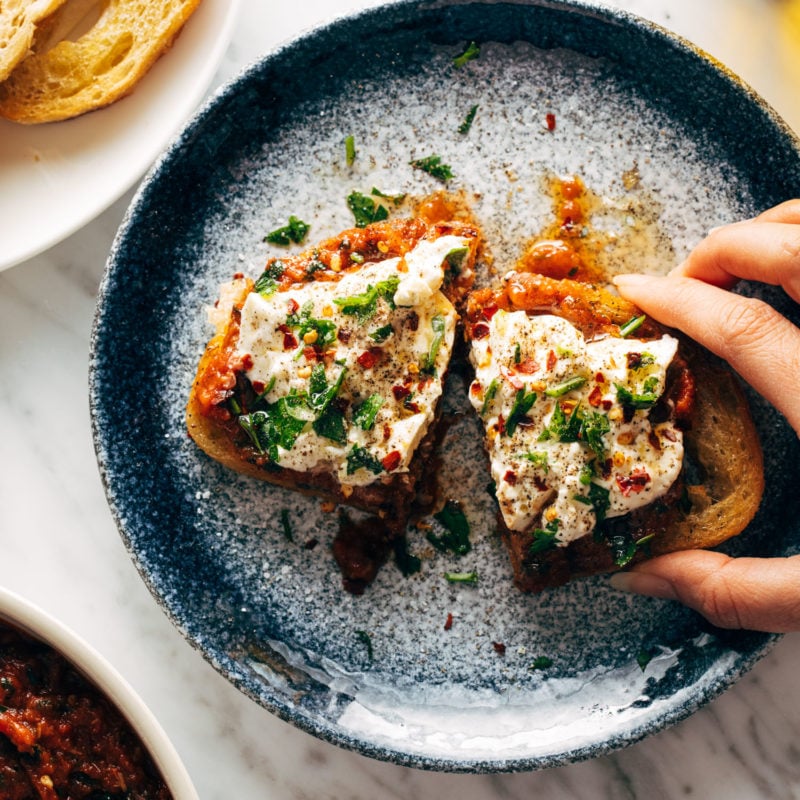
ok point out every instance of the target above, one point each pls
(764, 348)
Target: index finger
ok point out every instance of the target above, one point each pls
(760, 250)
(758, 342)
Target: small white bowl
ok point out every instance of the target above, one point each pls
(37, 623)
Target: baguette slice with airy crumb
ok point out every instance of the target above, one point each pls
(18, 21)
(325, 375)
(72, 78)
(617, 446)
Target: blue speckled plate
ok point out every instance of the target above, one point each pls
(380, 673)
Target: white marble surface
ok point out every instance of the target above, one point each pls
(60, 547)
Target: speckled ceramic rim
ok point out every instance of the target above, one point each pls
(17, 611)
(707, 689)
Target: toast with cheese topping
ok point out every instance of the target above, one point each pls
(325, 373)
(610, 438)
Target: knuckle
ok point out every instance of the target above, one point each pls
(747, 323)
(719, 603)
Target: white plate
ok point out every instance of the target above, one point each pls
(55, 178)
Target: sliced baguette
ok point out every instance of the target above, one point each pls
(714, 500)
(18, 21)
(72, 78)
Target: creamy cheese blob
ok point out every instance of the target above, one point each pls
(387, 332)
(567, 422)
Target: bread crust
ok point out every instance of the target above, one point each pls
(103, 65)
(721, 445)
(391, 496)
(18, 23)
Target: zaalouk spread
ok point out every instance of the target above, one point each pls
(60, 737)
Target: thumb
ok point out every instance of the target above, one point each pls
(760, 594)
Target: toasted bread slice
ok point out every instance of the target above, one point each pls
(325, 374)
(695, 405)
(18, 21)
(71, 78)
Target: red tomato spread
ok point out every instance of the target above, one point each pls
(60, 737)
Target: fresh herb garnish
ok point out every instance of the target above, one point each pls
(643, 658)
(455, 538)
(395, 198)
(633, 324)
(407, 563)
(517, 353)
(428, 365)
(566, 386)
(647, 398)
(455, 258)
(364, 305)
(267, 282)
(468, 120)
(365, 639)
(462, 577)
(360, 458)
(279, 425)
(331, 425)
(491, 391)
(541, 662)
(293, 233)
(286, 525)
(522, 405)
(434, 167)
(305, 323)
(539, 459)
(349, 150)
(471, 51)
(365, 209)
(364, 415)
(579, 426)
(544, 539)
(320, 392)
(381, 334)
(598, 498)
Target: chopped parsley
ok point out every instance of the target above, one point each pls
(360, 458)
(647, 398)
(544, 539)
(434, 167)
(428, 365)
(491, 391)
(468, 120)
(539, 459)
(643, 658)
(365, 209)
(462, 577)
(267, 283)
(579, 426)
(381, 334)
(305, 323)
(349, 150)
(598, 498)
(395, 198)
(455, 538)
(407, 563)
(286, 525)
(471, 51)
(541, 662)
(522, 405)
(632, 325)
(566, 386)
(293, 233)
(364, 415)
(365, 304)
(364, 638)
(455, 258)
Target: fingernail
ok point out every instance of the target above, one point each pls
(631, 279)
(642, 583)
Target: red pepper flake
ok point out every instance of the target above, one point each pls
(499, 648)
(412, 321)
(412, 407)
(550, 120)
(510, 477)
(489, 311)
(501, 424)
(343, 335)
(600, 378)
(400, 392)
(448, 622)
(247, 362)
(289, 341)
(634, 360)
(480, 330)
(475, 387)
(596, 397)
(237, 276)
(552, 359)
(259, 386)
(635, 482)
(387, 432)
(369, 358)
(391, 461)
(293, 305)
(539, 483)
(607, 404)
(527, 367)
(311, 354)
(668, 433)
(512, 378)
